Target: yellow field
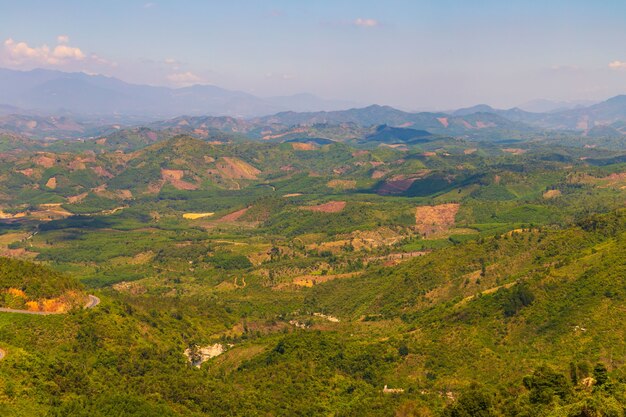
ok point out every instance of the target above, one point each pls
(194, 216)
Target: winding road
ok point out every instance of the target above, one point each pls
(93, 301)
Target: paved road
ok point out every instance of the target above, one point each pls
(39, 313)
(93, 301)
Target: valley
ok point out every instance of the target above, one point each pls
(263, 270)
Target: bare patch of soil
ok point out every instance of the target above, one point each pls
(234, 216)
(298, 146)
(330, 207)
(235, 168)
(52, 183)
(433, 219)
(551, 194)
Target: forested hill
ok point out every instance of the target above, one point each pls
(28, 286)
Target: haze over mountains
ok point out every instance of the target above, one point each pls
(55, 91)
(57, 105)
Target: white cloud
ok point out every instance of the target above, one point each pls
(366, 23)
(617, 65)
(170, 61)
(184, 79)
(67, 52)
(20, 53)
(63, 39)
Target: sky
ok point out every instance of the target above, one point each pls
(415, 55)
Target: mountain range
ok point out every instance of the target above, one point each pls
(58, 105)
(51, 91)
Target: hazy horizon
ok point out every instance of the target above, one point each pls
(410, 55)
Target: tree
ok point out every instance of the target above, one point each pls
(475, 402)
(545, 383)
(403, 349)
(600, 374)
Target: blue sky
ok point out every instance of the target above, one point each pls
(411, 54)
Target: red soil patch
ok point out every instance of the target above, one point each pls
(433, 219)
(125, 194)
(44, 161)
(443, 121)
(183, 185)
(484, 125)
(396, 186)
(28, 172)
(303, 146)
(235, 168)
(400, 183)
(172, 174)
(76, 198)
(52, 183)
(101, 172)
(174, 177)
(378, 174)
(235, 215)
(551, 194)
(76, 165)
(330, 207)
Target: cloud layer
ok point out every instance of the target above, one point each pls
(15, 54)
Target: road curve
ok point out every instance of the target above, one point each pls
(93, 301)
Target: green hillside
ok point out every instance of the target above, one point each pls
(303, 276)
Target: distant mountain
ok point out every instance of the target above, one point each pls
(52, 127)
(584, 119)
(479, 108)
(308, 102)
(388, 134)
(470, 124)
(579, 119)
(549, 106)
(79, 93)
